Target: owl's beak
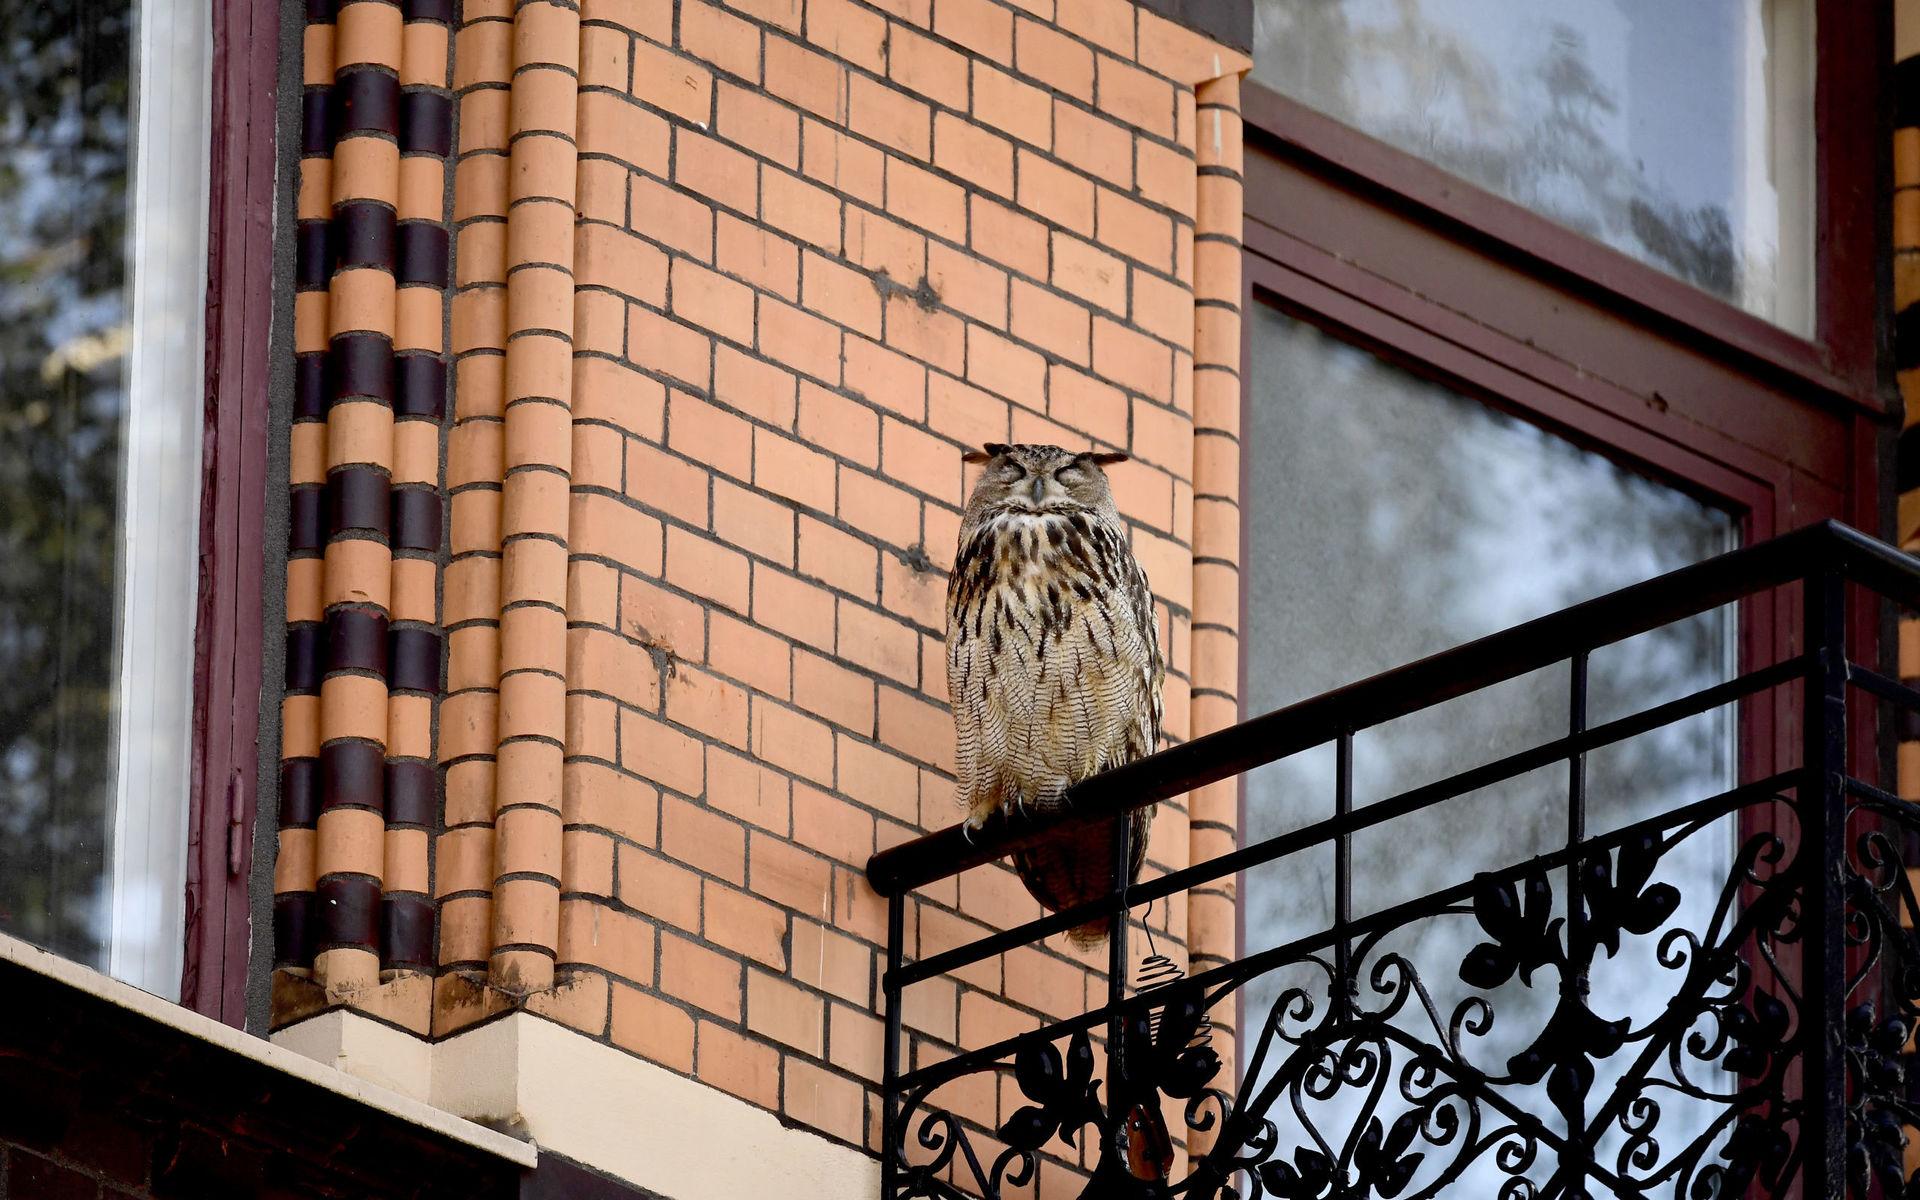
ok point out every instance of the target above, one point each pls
(1039, 489)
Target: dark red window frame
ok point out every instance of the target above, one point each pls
(1446, 280)
(227, 643)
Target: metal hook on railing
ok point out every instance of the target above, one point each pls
(1159, 971)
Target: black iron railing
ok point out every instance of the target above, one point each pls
(1768, 1057)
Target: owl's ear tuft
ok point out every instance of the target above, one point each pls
(991, 450)
(1108, 458)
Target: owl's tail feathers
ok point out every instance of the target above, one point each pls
(1076, 867)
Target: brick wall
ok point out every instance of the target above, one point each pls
(734, 287)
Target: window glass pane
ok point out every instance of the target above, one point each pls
(1678, 133)
(102, 269)
(1390, 519)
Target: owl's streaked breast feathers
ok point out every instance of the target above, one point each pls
(1053, 658)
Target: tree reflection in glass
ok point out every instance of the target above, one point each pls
(1678, 133)
(1389, 519)
(64, 141)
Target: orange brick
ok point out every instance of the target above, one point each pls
(932, 1007)
(667, 483)
(794, 743)
(1051, 322)
(699, 976)
(742, 787)
(603, 797)
(747, 654)
(886, 378)
(712, 302)
(789, 875)
(1163, 437)
(603, 936)
(605, 390)
(794, 607)
(716, 171)
(823, 687)
(984, 1020)
(838, 425)
(923, 65)
(970, 152)
(784, 13)
(832, 962)
(967, 285)
(699, 565)
(707, 433)
(840, 294)
(708, 704)
(701, 839)
(1162, 307)
(746, 1068)
(673, 218)
(916, 729)
(1131, 359)
(1165, 176)
(788, 468)
(785, 1013)
(822, 1100)
(806, 78)
(612, 258)
(1056, 60)
(604, 662)
(965, 413)
(849, 31)
(1090, 273)
(943, 534)
(979, 25)
(1134, 230)
(879, 780)
(838, 559)
(1093, 144)
(1001, 367)
(657, 887)
(668, 346)
(878, 508)
(1016, 108)
(660, 754)
(615, 125)
(940, 931)
(720, 38)
(1056, 193)
(753, 386)
(1044, 983)
(754, 523)
(879, 643)
(1008, 236)
(880, 113)
(653, 1028)
(921, 198)
(881, 245)
(855, 1041)
(800, 340)
(746, 925)
(605, 527)
(934, 336)
(1132, 95)
(1099, 22)
(918, 595)
(759, 256)
(793, 205)
(1094, 408)
(842, 163)
(768, 129)
(668, 81)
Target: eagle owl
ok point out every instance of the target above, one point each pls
(1053, 660)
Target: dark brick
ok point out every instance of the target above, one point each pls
(30, 1177)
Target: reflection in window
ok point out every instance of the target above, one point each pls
(1390, 519)
(102, 270)
(1679, 133)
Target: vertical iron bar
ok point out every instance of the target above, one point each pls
(1343, 875)
(1119, 1083)
(1576, 981)
(892, 1137)
(1823, 817)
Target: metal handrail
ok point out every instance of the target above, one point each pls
(1447, 675)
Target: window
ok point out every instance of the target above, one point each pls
(1681, 134)
(103, 225)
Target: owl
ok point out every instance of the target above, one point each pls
(1053, 659)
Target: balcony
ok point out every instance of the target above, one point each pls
(1765, 1053)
